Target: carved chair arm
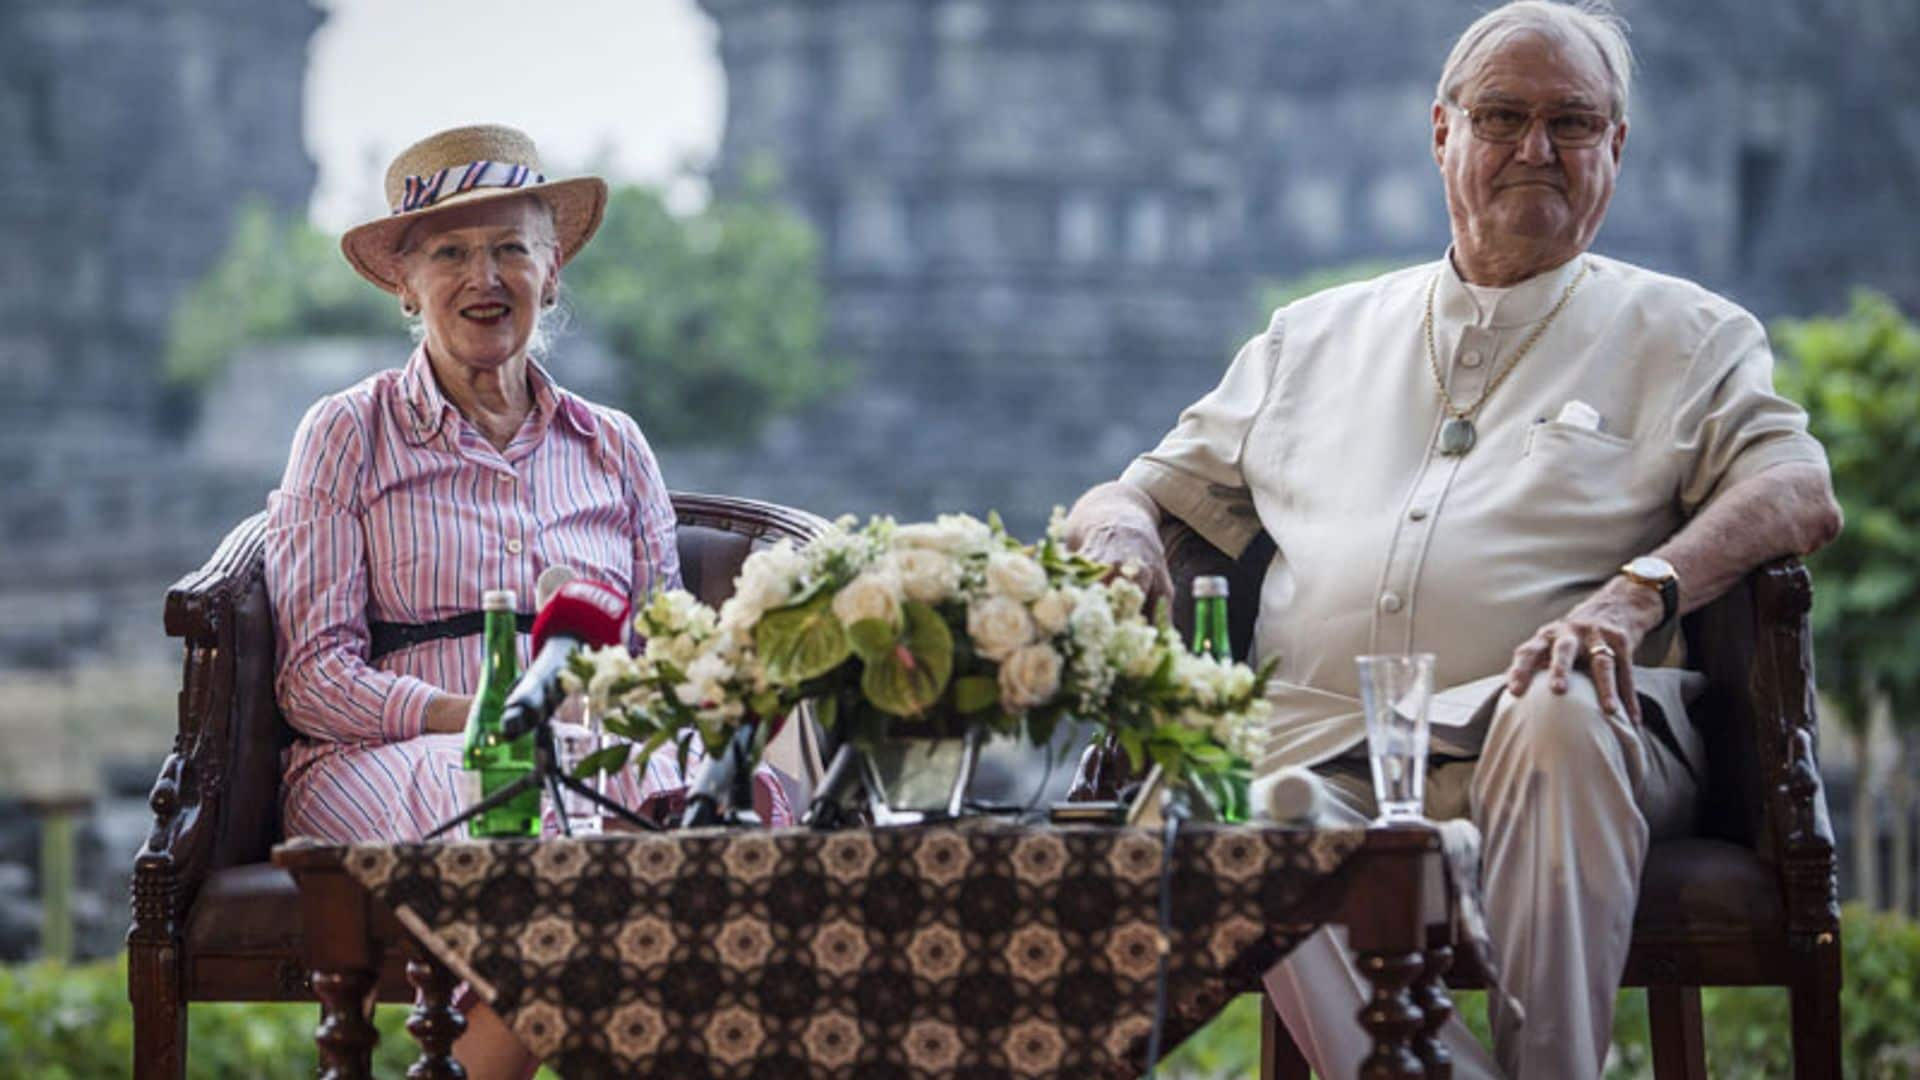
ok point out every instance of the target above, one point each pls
(178, 851)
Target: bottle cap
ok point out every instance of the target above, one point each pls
(1207, 585)
(498, 600)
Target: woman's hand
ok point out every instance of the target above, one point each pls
(447, 713)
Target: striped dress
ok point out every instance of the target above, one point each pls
(394, 508)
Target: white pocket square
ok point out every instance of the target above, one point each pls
(1579, 414)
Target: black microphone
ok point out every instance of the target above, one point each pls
(582, 614)
(713, 790)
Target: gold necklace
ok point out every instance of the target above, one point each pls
(1457, 435)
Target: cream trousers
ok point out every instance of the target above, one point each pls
(1566, 799)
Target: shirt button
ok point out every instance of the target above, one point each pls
(514, 545)
(1418, 513)
(1470, 358)
(1390, 602)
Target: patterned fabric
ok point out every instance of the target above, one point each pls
(424, 191)
(395, 508)
(942, 951)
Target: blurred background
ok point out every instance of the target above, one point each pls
(898, 256)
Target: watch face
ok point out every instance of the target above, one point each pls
(1651, 568)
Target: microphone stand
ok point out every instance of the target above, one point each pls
(548, 774)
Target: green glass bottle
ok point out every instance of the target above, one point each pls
(1229, 797)
(491, 761)
(1210, 617)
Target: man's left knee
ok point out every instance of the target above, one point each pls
(1566, 736)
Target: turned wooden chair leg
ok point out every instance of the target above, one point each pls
(1815, 998)
(1679, 1038)
(159, 1020)
(1280, 1056)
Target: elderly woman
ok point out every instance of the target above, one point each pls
(469, 469)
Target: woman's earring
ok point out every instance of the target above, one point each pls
(409, 308)
(549, 300)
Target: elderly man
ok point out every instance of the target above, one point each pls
(1529, 460)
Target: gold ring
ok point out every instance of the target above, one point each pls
(1602, 649)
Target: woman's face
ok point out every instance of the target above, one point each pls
(478, 275)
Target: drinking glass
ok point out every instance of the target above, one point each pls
(1396, 690)
(571, 745)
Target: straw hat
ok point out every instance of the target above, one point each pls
(467, 165)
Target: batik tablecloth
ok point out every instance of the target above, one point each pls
(980, 950)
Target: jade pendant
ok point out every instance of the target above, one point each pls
(1456, 436)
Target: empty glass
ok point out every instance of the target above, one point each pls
(1396, 690)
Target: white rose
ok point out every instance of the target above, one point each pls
(1031, 676)
(926, 575)
(1010, 573)
(955, 534)
(1052, 610)
(870, 596)
(998, 626)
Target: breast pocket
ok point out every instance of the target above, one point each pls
(1582, 487)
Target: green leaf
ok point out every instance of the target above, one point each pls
(910, 677)
(972, 693)
(801, 642)
(607, 759)
(872, 637)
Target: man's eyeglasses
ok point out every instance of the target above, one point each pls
(1574, 129)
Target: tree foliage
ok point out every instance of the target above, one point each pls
(1859, 377)
(277, 279)
(717, 316)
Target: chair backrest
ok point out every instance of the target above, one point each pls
(227, 789)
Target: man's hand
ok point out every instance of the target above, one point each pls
(1600, 634)
(1119, 524)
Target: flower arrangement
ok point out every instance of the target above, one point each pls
(926, 629)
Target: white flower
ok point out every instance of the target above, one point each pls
(998, 626)
(1132, 649)
(1126, 597)
(955, 534)
(1091, 623)
(1052, 610)
(707, 676)
(767, 580)
(1010, 573)
(872, 595)
(926, 575)
(1029, 677)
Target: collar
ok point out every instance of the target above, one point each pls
(550, 399)
(1520, 305)
(423, 411)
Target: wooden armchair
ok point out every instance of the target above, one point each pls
(212, 919)
(1751, 900)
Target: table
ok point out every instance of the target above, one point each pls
(972, 949)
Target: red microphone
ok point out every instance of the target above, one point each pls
(582, 614)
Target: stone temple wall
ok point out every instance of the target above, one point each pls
(1045, 223)
(134, 130)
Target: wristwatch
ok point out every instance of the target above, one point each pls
(1657, 573)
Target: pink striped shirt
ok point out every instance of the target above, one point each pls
(395, 508)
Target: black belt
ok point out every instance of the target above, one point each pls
(391, 636)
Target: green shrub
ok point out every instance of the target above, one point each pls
(74, 1023)
(1748, 1029)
